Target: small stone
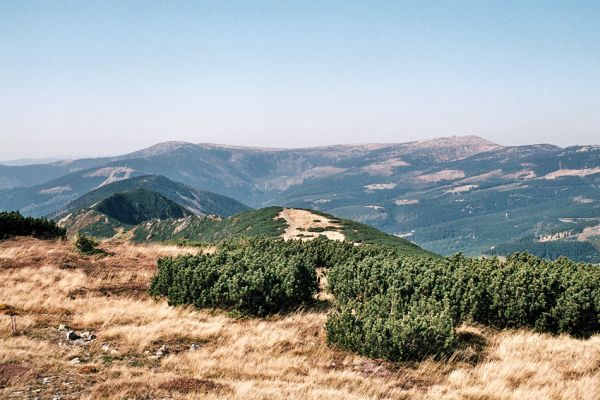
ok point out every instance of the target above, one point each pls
(62, 327)
(72, 335)
(194, 347)
(75, 360)
(105, 347)
(164, 350)
(89, 336)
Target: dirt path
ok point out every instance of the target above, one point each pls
(305, 225)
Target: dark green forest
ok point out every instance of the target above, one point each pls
(12, 224)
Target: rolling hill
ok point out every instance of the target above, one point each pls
(270, 222)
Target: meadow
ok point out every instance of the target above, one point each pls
(145, 348)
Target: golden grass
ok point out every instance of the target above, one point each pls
(276, 358)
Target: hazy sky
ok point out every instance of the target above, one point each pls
(104, 77)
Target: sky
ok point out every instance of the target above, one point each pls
(84, 78)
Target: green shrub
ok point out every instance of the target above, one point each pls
(12, 224)
(382, 328)
(388, 304)
(254, 277)
(86, 244)
(383, 300)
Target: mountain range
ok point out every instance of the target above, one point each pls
(449, 194)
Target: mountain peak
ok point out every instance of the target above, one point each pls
(160, 148)
(466, 140)
(454, 147)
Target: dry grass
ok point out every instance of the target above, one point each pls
(276, 358)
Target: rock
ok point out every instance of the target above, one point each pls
(89, 336)
(62, 327)
(46, 380)
(72, 335)
(105, 347)
(75, 360)
(164, 350)
(194, 347)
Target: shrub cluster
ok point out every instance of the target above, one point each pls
(388, 304)
(252, 276)
(12, 224)
(403, 308)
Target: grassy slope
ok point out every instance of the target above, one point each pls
(263, 222)
(361, 233)
(281, 357)
(249, 223)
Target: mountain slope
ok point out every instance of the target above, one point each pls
(196, 201)
(270, 222)
(83, 188)
(49, 197)
(139, 205)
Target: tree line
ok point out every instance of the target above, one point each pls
(12, 224)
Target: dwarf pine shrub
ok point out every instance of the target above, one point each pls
(388, 304)
(258, 277)
(86, 244)
(403, 308)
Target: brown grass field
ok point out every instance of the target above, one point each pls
(47, 284)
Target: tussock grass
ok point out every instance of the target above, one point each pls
(275, 358)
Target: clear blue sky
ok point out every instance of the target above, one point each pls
(106, 77)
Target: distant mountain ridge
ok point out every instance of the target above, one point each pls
(448, 194)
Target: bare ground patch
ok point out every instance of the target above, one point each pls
(305, 225)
